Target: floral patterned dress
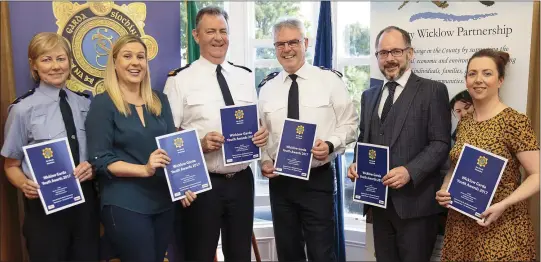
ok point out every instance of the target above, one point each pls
(511, 237)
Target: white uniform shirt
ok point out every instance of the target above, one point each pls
(323, 100)
(196, 99)
(398, 90)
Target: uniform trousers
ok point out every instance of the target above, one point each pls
(71, 234)
(229, 208)
(303, 214)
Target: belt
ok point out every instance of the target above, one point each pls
(323, 167)
(226, 176)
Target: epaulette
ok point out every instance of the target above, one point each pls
(334, 71)
(175, 72)
(267, 78)
(29, 93)
(243, 67)
(81, 94)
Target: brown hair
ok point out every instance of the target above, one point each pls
(210, 10)
(42, 43)
(404, 33)
(500, 58)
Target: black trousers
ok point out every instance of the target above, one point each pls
(138, 237)
(71, 234)
(228, 207)
(303, 214)
(406, 240)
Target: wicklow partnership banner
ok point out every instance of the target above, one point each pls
(445, 34)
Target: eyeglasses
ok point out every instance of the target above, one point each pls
(291, 43)
(397, 52)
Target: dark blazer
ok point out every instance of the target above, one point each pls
(420, 142)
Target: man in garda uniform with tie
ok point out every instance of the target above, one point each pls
(196, 93)
(303, 211)
(409, 114)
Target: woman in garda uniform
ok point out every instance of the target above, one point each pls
(506, 234)
(122, 123)
(71, 234)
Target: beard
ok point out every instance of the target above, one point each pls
(401, 69)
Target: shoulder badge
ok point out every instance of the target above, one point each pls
(175, 72)
(243, 67)
(334, 71)
(20, 98)
(267, 78)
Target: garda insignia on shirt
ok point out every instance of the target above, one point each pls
(175, 71)
(91, 29)
(267, 79)
(334, 71)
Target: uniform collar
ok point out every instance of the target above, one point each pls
(303, 72)
(226, 67)
(50, 91)
(402, 81)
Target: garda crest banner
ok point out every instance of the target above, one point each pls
(91, 28)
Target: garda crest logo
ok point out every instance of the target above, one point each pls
(91, 29)
(178, 142)
(372, 154)
(300, 130)
(47, 153)
(239, 114)
(482, 161)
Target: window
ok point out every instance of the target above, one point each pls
(352, 58)
(183, 24)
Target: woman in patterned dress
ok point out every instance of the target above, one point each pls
(506, 234)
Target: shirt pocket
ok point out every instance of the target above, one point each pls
(244, 99)
(317, 110)
(43, 132)
(275, 114)
(198, 107)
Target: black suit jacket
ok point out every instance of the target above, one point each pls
(420, 142)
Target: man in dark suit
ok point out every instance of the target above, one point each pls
(409, 114)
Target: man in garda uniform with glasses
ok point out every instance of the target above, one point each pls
(303, 211)
(409, 114)
(196, 93)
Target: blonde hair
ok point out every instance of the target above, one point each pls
(152, 101)
(42, 43)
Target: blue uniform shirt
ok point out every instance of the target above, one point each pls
(37, 118)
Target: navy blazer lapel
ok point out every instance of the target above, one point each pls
(406, 98)
(371, 105)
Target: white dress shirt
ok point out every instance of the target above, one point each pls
(399, 88)
(323, 100)
(196, 99)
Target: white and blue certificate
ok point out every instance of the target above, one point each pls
(187, 169)
(475, 180)
(51, 165)
(294, 156)
(239, 125)
(372, 166)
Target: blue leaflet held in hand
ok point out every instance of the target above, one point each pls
(51, 165)
(372, 166)
(239, 125)
(294, 156)
(474, 181)
(187, 169)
